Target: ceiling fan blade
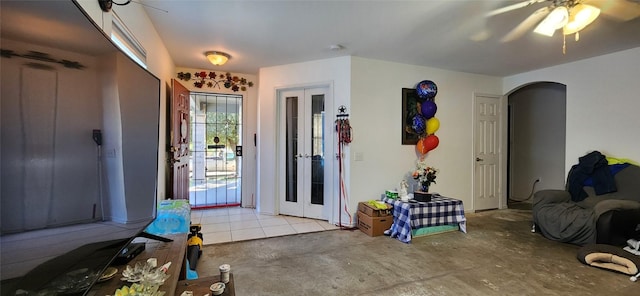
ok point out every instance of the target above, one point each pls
(620, 10)
(526, 25)
(512, 7)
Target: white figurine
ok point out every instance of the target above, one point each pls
(404, 196)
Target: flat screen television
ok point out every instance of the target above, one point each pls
(79, 127)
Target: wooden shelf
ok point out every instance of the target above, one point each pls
(201, 286)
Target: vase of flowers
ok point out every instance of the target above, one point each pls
(425, 175)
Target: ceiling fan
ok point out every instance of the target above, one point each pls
(570, 16)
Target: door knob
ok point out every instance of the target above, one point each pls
(479, 159)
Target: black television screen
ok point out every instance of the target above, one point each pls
(79, 127)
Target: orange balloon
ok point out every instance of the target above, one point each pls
(421, 147)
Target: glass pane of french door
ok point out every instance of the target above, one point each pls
(291, 194)
(216, 174)
(317, 149)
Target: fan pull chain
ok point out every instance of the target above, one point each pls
(564, 41)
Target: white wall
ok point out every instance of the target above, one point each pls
(335, 72)
(601, 111)
(249, 124)
(602, 103)
(372, 92)
(376, 109)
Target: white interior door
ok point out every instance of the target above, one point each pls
(487, 151)
(303, 130)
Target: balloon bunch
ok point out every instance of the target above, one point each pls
(424, 123)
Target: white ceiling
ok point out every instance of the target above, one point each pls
(428, 33)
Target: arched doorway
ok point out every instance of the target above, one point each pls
(536, 141)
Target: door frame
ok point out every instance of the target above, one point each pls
(244, 202)
(330, 149)
(502, 161)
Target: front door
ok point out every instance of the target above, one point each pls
(304, 129)
(179, 150)
(487, 147)
(216, 150)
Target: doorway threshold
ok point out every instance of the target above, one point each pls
(204, 207)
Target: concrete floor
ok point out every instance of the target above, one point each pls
(498, 256)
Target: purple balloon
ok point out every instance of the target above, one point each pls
(428, 109)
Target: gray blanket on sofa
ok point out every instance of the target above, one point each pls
(558, 218)
(563, 221)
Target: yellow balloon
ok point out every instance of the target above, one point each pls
(433, 124)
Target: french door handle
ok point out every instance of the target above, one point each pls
(479, 159)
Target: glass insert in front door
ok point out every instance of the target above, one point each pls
(216, 175)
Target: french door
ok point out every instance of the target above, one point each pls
(303, 130)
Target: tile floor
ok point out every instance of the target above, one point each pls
(223, 225)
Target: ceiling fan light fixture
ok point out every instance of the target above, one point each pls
(581, 16)
(556, 19)
(217, 58)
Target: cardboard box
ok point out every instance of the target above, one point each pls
(370, 210)
(374, 226)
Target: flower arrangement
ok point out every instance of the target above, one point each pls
(425, 175)
(212, 79)
(146, 279)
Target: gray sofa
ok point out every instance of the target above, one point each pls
(609, 218)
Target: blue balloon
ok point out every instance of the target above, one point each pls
(418, 124)
(426, 89)
(428, 109)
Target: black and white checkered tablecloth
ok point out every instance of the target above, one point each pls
(440, 210)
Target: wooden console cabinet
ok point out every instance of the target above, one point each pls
(174, 252)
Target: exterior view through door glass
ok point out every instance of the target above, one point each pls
(216, 174)
(304, 144)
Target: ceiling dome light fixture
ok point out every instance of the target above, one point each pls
(217, 58)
